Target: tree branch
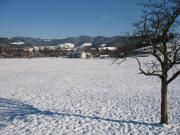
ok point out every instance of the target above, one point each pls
(148, 73)
(173, 77)
(171, 21)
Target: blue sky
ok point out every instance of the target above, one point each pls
(64, 18)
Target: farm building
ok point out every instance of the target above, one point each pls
(81, 54)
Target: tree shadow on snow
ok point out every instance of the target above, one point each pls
(11, 109)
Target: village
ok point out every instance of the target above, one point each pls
(84, 51)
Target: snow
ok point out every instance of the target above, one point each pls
(82, 96)
(86, 44)
(17, 43)
(67, 45)
(103, 45)
(108, 48)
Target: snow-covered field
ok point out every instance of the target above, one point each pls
(76, 96)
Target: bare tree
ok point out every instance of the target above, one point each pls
(157, 30)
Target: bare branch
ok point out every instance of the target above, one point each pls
(173, 77)
(156, 29)
(148, 73)
(171, 21)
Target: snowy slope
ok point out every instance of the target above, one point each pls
(86, 45)
(66, 45)
(17, 43)
(79, 96)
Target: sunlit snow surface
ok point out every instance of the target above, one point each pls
(80, 96)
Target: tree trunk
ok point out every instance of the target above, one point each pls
(164, 103)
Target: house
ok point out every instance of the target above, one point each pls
(108, 48)
(79, 54)
(41, 48)
(50, 47)
(28, 49)
(36, 49)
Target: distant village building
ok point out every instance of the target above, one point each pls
(108, 48)
(41, 48)
(36, 49)
(50, 47)
(79, 54)
(28, 49)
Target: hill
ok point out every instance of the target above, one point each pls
(77, 41)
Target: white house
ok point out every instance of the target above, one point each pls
(108, 48)
(36, 49)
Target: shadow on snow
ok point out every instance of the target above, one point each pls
(11, 109)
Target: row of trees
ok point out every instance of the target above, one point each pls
(6, 52)
(21, 53)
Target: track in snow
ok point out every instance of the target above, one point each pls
(75, 96)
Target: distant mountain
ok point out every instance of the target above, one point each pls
(4, 42)
(77, 41)
(74, 40)
(99, 40)
(124, 41)
(25, 42)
